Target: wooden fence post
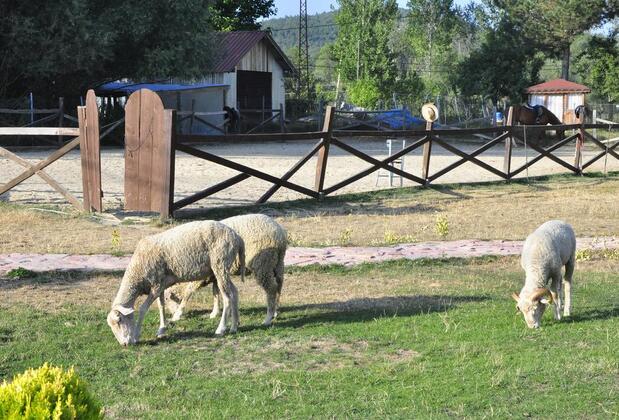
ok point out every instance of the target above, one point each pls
(323, 152)
(507, 160)
(60, 118)
(427, 151)
(88, 119)
(579, 143)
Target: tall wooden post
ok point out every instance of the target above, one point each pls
(88, 119)
(323, 152)
(579, 143)
(60, 118)
(507, 160)
(427, 151)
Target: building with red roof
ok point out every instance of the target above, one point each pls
(560, 96)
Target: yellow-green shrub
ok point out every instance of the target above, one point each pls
(47, 393)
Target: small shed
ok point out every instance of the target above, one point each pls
(560, 96)
(254, 67)
(199, 105)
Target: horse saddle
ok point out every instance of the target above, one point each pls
(538, 110)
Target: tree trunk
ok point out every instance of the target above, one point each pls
(565, 64)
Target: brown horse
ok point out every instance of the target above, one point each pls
(536, 115)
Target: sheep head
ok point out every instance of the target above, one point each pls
(533, 305)
(120, 320)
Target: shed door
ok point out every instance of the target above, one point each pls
(251, 87)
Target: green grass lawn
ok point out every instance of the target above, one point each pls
(400, 339)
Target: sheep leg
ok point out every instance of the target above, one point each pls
(279, 277)
(189, 289)
(216, 299)
(162, 323)
(555, 291)
(230, 302)
(265, 277)
(567, 286)
(142, 313)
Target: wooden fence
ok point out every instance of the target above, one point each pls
(153, 179)
(86, 137)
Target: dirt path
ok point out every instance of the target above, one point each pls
(193, 175)
(305, 256)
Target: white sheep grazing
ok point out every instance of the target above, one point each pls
(185, 253)
(265, 247)
(545, 252)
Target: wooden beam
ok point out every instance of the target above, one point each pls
(244, 169)
(467, 157)
(323, 153)
(51, 181)
(209, 191)
(475, 152)
(507, 157)
(290, 172)
(193, 138)
(546, 153)
(39, 131)
(41, 165)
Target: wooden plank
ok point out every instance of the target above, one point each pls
(28, 111)
(547, 153)
(368, 171)
(210, 191)
(475, 152)
(91, 153)
(476, 161)
(378, 164)
(81, 116)
(507, 157)
(290, 172)
(579, 144)
(41, 165)
(603, 146)
(323, 152)
(162, 188)
(194, 138)
(151, 110)
(427, 152)
(39, 131)
(244, 169)
(132, 150)
(52, 182)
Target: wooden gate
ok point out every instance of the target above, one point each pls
(88, 141)
(149, 156)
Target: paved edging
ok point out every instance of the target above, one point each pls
(305, 256)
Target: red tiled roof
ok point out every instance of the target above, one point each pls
(558, 86)
(234, 45)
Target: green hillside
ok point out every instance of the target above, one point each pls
(321, 30)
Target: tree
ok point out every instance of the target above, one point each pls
(430, 33)
(239, 15)
(551, 26)
(61, 48)
(502, 66)
(599, 66)
(362, 45)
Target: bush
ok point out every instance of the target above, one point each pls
(47, 393)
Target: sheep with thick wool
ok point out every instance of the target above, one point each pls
(545, 252)
(265, 247)
(186, 253)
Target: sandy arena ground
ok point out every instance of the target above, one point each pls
(193, 174)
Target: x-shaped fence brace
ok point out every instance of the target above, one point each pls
(431, 137)
(38, 168)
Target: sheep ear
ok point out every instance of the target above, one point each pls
(538, 294)
(124, 310)
(516, 297)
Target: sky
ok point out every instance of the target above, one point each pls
(291, 7)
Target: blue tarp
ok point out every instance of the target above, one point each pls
(128, 88)
(399, 118)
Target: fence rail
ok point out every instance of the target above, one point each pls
(329, 138)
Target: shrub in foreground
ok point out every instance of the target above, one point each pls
(47, 393)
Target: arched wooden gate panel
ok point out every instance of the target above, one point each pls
(149, 155)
